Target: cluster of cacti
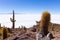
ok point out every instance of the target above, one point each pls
(23, 27)
(45, 20)
(4, 33)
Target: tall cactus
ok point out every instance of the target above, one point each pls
(45, 22)
(13, 20)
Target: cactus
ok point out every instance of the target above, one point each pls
(52, 27)
(13, 20)
(19, 26)
(4, 33)
(25, 28)
(45, 22)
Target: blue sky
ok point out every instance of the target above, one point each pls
(30, 6)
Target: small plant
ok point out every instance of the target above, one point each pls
(52, 27)
(4, 33)
(19, 26)
(34, 29)
(25, 28)
(45, 20)
(8, 35)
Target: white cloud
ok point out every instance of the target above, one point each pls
(55, 18)
(27, 20)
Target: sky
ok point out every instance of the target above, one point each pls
(28, 11)
(29, 6)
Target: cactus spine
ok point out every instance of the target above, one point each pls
(45, 22)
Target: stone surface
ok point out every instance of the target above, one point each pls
(41, 36)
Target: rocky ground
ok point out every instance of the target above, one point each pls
(28, 35)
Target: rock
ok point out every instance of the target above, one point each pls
(41, 36)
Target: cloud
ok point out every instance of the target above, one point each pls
(55, 18)
(27, 20)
